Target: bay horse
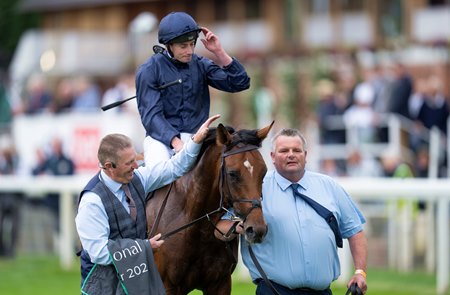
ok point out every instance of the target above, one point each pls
(228, 174)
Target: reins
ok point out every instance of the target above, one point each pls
(255, 203)
(158, 218)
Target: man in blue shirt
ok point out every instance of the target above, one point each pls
(105, 211)
(299, 253)
(172, 87)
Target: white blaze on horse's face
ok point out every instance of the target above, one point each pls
(248, 166)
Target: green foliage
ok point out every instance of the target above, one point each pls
(13, 23)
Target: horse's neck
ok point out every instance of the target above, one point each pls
(205, 177)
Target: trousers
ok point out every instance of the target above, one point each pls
(264, 289)
(156, 151)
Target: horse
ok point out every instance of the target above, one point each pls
(228, 174)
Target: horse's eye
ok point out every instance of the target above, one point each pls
(235, 176)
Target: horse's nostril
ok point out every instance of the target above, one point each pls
(249, 231)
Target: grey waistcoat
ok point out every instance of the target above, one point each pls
(120, 223)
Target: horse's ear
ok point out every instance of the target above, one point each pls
(262, 133)
(223, 136)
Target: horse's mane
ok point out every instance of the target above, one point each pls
(244, 136)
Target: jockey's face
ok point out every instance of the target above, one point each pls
(183, 51)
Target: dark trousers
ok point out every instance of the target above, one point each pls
(264, 289)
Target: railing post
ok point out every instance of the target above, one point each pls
(433, 165)
(67, 236)
(394, 133)
(404, 249)
(430, 254)
(448, 148)
(392, 233)
(443, 244)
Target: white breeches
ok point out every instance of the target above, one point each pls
(155, 151)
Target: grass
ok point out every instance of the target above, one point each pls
(42, 275)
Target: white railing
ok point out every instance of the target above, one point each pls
(433, 191)
(436, 192)
(438, 145)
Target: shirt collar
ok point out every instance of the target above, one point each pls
(284, 183)
(114, 186)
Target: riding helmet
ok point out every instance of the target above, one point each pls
(177, 27)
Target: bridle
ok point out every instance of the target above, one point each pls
(223, 172)
(256, 203)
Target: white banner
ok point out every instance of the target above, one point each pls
(80, 133)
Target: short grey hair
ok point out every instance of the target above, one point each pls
(291, 133)
(110, 146)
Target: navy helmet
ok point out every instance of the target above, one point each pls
(177, 27)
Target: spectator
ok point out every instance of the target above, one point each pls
(331, 167)
(361, 117)
(418, 97)
(394, 166)
(360, 164)
(10, 202)
(435, 109)
(401, 91)
(64, 96)
(57, 163)
(329, 105)
(382, 87)
(416, 102)
(86, 95)
(37, 96)
(124, 88)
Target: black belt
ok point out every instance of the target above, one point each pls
(302, 289)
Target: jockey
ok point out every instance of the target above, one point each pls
(172, 86)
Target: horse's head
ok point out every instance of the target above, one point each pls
(241, 176)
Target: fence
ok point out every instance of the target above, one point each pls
(399, 129)
(433, 191)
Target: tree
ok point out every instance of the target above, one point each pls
(13, 23)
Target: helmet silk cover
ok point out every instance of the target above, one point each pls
(177, 27)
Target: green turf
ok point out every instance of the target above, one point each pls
(42, 275)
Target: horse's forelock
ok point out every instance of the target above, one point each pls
(246, 137)
(243, 136)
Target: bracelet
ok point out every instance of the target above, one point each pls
(361, 272)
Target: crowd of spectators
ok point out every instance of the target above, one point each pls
(70, 94)
(361, 106)
(357, 100)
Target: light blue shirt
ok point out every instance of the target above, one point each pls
(92, 221)
(299, 249)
